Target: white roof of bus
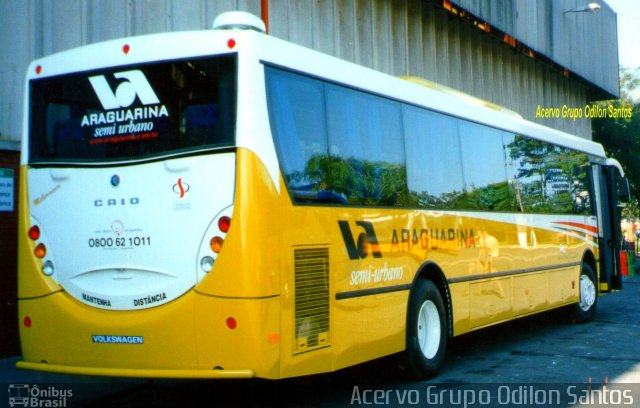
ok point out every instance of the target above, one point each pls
(305, 60)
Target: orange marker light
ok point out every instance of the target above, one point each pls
(40, 251)
(216, 244)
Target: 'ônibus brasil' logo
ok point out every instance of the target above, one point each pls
(135, 84)
(366, 240)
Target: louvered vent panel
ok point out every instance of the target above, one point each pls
(311, 299)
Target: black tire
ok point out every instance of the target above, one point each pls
(585, 310)
(426, 332)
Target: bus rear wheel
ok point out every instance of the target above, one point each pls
(426, 341)
(585, 309)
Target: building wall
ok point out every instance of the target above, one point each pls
(554, 29)
(9, 344)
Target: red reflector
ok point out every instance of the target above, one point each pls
(224, 223)
(38, 69)
(27, 321)
(40, 251)
(232, 323)
(34, 232)
(231, 43)
(125, 49)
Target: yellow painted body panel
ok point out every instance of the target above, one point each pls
(248, 266)
(188, 334)
(253, 280)
(530, 293)
(31, 282)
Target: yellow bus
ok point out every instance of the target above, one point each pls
(225, 204)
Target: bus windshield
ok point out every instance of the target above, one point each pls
(134, 113)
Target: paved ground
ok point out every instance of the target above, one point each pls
(531, 360)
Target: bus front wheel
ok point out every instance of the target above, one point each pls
(426, 331)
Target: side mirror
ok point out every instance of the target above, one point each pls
(624, 192)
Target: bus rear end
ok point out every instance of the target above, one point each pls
(128, 184)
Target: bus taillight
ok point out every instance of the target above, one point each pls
(213, 241)
(40, 251)
(34, 232)
(224, 223)
(216, 244)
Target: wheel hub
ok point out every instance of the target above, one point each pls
(429, 329)
(587, 293)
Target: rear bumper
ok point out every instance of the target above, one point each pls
(186, 338)
(134, 373)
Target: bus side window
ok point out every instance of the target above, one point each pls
(434, 168)
(336, 145)
(297, 116)
(484, 166)
(549, 179)
(366, 143)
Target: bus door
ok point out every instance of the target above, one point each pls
(609, 234)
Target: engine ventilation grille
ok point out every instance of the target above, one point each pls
(311, 299)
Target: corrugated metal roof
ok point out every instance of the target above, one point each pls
(571, 39)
